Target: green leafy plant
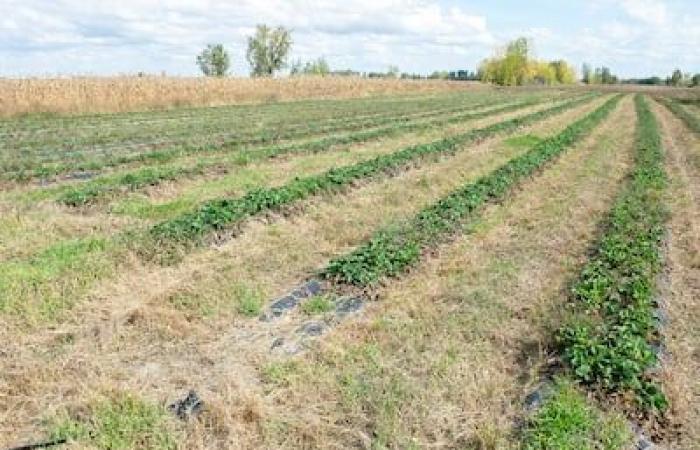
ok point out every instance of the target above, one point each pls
(608, 341)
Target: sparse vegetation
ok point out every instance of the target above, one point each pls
(118, 422)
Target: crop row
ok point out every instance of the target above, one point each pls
(690, 119)
(391, 251)
(92, 191)
(608, 341)
(26, 168)
(218, 214)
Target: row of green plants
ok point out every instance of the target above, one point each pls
(389, 252)
(675, 106)
(93, 191)
(25, 168)
(221, 213)
(608, 339)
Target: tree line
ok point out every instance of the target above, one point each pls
(514, 65)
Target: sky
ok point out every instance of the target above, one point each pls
(67, 37)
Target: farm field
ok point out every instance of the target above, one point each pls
(475, 268)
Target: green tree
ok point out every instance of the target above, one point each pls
(214, 61)
(317, 67)
(587, 74)
(676, 77)
(268, 50)
(563, 72)
(695, 81)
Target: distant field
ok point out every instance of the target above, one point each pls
(376, 264)
(85, 95)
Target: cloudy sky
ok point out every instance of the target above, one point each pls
(633, 37)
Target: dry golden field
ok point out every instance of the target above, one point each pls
(82, 95)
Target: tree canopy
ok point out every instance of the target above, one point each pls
(514, 66)
(214, 61)
(268, 49)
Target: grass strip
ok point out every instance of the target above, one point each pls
(690, 119)
(608, 340)
(91, 192)
(567, 421)
(391, 251)
(218, 214)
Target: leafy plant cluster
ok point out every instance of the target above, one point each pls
(608, 342)
(90, 192)
(217, 214)
(391, 251)
(691, 120)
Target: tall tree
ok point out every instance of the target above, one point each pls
(268, 50)
(214, 61)
(677, 78)
(586, 70)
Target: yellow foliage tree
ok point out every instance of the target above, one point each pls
(514, 67)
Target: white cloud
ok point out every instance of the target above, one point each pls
(633, 37)
(653, 12)
(366, 34)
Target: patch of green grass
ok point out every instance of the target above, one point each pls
(250, 301)
(567, 421)
(46, 283)
(122, 421)
(523, 141)
(318, 304)
(279, 373)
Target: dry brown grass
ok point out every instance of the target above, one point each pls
(682, 296)
(82, 95)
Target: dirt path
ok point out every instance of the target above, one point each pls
(682, 332)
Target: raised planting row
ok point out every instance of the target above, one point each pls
(25, 169)
(391, 251)
(608, 342)
(690, 119)
(92, 191)
(218, 214)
